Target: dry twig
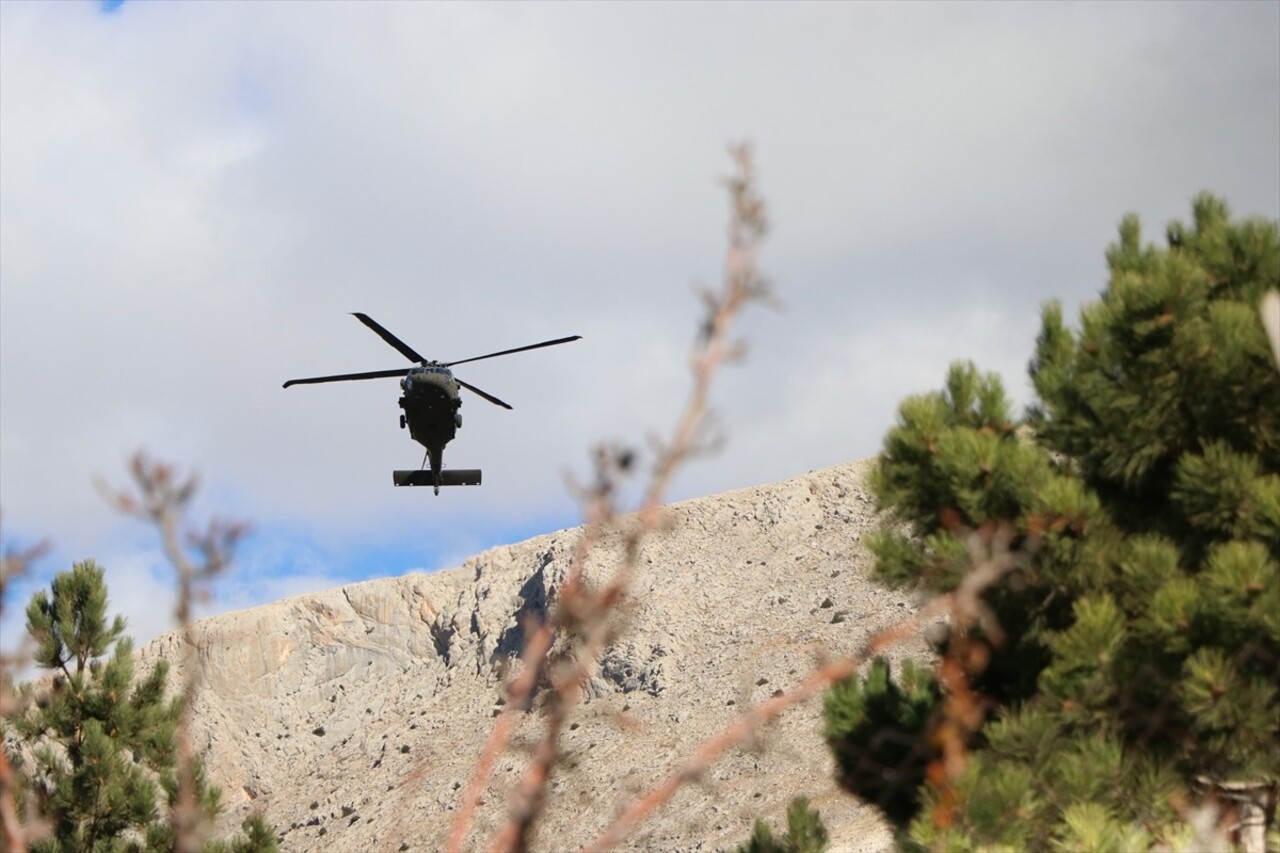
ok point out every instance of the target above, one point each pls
(583, 615)
(745, 726)
(992, 559)
(16, 836)
(161, 498)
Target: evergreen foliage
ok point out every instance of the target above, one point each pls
(103, 741)
(1139, 639)
(805, 833)
(876, 728)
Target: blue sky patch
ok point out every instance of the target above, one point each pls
(108, 7)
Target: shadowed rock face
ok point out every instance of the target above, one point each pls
(353, 716)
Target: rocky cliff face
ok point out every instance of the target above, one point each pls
(353, 717)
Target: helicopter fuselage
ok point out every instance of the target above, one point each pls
(431, 406)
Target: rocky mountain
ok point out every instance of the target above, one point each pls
(353, 717)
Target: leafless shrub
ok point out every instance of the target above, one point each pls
(16, 834)
(584, 616)
(160, 497)
(588, 616)
(991, 559)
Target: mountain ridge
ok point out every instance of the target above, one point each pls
(352, 717)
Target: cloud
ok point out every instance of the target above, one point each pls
(194, 196)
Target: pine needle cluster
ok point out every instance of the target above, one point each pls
(1129, 667)
(97, 743)
(805, 833)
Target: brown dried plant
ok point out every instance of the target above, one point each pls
(16, 833)
(583, 618)
(161, 497)
(991, 559)
(586, 616)
(973, 633)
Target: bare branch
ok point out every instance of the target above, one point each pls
(160, 497)
(584, 616)
(745, 727)
(14, 564)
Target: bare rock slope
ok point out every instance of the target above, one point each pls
(353, 717)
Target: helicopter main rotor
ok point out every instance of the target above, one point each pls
(405, 350)
(411, 354)
(347, 377)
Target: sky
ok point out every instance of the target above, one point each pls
(194, 196)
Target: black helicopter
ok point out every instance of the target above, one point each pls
(430, 404)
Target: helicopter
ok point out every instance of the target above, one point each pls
(431, 404)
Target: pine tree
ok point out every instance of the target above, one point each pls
(877, 729)
(1131, 658)
(805, 833)
(103, 741)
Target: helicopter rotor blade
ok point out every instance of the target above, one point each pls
(517, 349)
(474, 390)
(346, 377)
(403, 348)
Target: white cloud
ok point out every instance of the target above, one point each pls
(192, 196)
